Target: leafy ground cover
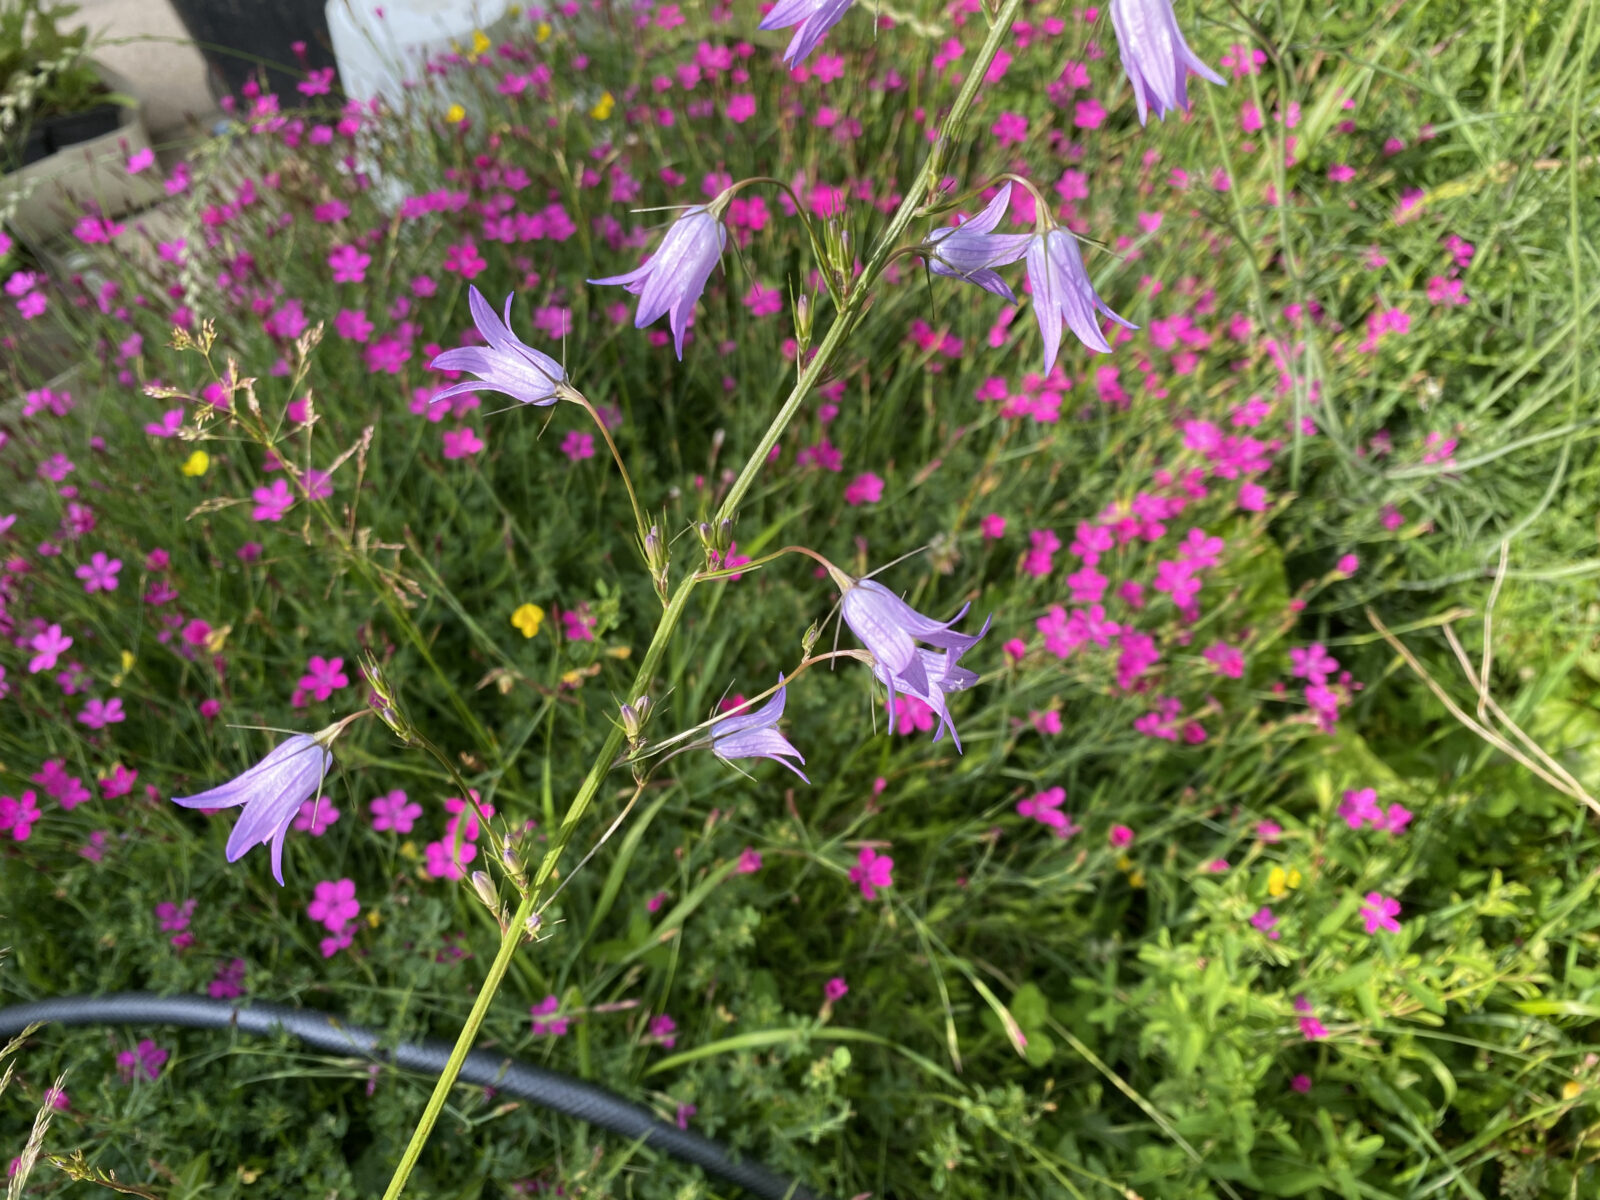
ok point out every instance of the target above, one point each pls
(1255, 872)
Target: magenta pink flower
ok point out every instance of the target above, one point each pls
(119, 782)
(324, 676)
(1226, 659)
(1379, 912)
(334, 904)
(1045, 808)
(146, 1059)
(1360, 806)
(272, 503)
(349, 264)
(18, 815)
(99, 574)
(393, 812)
(1266, 923)
(555, 1026)
(749, 862)
(444, 860)
(993, 526)
(664, 1030)
(864, 489)
(314, 816)
(97, 713)
(462, 443)
(835, 989)
(872, 871)
(578, 445)
(229, 981)
(1121, 836)
(47, 647)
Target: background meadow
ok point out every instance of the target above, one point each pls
(1219, 899)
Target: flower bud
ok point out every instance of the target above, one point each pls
(656, 559)
(808, 643)
(484, 887)
(634, 717)
(382, 699)
(802, 326)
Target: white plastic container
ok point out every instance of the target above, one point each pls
(379, 54)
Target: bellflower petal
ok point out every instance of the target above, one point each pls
(754, 734)
(890, 629)
(1155, 57)
(970, 250)
(814, 18)
(271, 793)
(505, 365)
(673, 278)
(1062, 293)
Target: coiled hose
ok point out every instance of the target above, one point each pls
(323, 1031)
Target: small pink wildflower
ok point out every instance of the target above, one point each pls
(749, 862)
(864, 489)
(1121, 836)
(315, 816)
(835, 989)
(578, 445)
(555, 1026)
(334, 904)
(1379, 912)
(872, 871)
(392, 812)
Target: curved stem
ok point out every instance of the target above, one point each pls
(627, 482)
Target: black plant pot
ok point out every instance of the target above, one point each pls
(242, 39)
(51, 134)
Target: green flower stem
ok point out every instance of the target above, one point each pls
(849, 316)
(469, 1033)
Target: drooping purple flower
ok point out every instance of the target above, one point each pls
(890, 629)
(271, 792)
(814, 18)
(671, 279)
(971, 250)
(1062, 292)
(505, 365)
(1155, 57)
(754, 734)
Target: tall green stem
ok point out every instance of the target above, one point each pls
(848, 316)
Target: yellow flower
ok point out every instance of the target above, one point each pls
(196, 464)
(373, 918)
(455, 114)
(1280, 881)
(528, 618)
(480, 43)
(603, 106)
(541, 32)
(127, 665)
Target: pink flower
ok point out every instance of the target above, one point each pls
(749, 862)
(664, 1030)
(993, 526)
(1361, 806)
(555, 1026)
(315, 816)
(272, 503)
(145, 1059)
(1265, 922)
(1348, 565)
(835, 989)
(1394, 821)
(393, 812)
(1045, 808)
(1312, 662)
(1121, 836)
(1301, 1083)
(740, 108)
(461, 443)
(335, 904)
(324, 676)
(1226, 659)
(99, 574)
(1379, 912)
(19, 815)
(119, 782)
(864, 489)
(349, 264)
(578, 445)
(872, 871)
(97, 714)
(141, 160)
(47, 647)
(447, 862)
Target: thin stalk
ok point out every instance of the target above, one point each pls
(627, 481)
(855, 304)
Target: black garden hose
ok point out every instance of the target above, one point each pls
(549, 1089)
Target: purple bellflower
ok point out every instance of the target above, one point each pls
(271, 792)
(971, 250)
(1062, 292)
(814, 18)
(671, 280)
(505, 364)
(754, 734)
(890, 629)
(1155, 57)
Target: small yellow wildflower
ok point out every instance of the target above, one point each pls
(373, 917)
(603, 106)
(127, 665)
(528, 618)
(455, 114)
(196, 464)
(542, 32)
(1280, 881)
(480, 43)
